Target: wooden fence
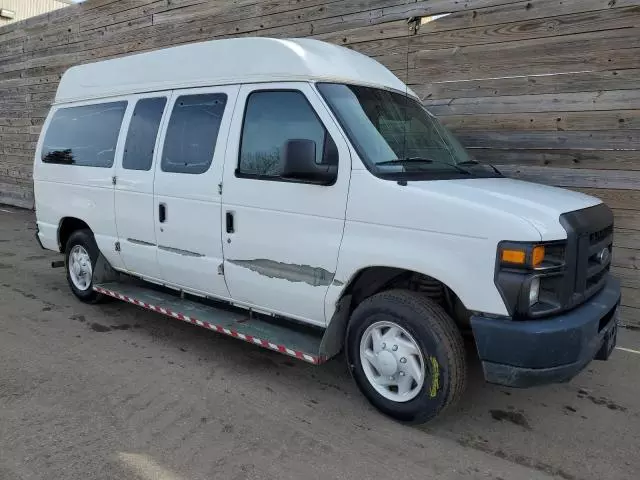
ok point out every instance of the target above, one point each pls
(547, 89)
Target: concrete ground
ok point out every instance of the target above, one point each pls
(116, 392)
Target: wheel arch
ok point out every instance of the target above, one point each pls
(370, 280)
(66, 227)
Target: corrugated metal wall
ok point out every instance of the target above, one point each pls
(29, 8)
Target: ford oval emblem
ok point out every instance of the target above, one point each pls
(603, 256)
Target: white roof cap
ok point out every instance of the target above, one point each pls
(220, 62)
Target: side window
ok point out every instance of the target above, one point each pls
(143, 130)
(84, 136)
(192, 133)
(271, 119)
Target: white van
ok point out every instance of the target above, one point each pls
(297, 195)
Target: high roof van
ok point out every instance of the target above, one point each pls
(297, 195)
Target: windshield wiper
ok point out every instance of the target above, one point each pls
(475, 162)
(403, 161)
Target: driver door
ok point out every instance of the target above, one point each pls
(282, 236)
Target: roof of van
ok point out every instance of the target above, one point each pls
(224, 62)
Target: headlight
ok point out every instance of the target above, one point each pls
(534, 291)
(529, 277)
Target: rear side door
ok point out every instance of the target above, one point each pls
(134, 203)
(187, 199)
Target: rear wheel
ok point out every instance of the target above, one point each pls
(406, 355)
(81, 254)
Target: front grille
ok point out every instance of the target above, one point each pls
(597, 237)
(598, 260)
(589, 248)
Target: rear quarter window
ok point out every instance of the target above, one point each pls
(84, 136)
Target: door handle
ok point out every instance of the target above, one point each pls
(162, 212)
(230, 222)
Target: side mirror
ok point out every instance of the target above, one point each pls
(300, 163)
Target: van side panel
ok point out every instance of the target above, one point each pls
(57, 198)
(82, 192)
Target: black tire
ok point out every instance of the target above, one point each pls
(85, 239)
(438, 338)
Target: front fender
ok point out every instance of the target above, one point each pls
(464, 264)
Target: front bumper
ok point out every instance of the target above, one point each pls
(528, 353)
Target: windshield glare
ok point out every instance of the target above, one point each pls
(386, 126)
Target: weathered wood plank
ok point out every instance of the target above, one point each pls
(220, 20)
(629, 277)
(553, 121)
(196, 9)
(530, 84)
(628, 219)
(557, 16)
(15, 122)
(575, 178)
(381, 32)
(578, 140)
(21, 89)
(506, 23)
(525, 19)
(607, 50)
(139, 8)
(107, 11)
(15, 152)
(626, 258)
(22, 81)
(35, 130)
(331, 20)
(8, 138)
(626, 239)
(240, 26)
(565, 102)
(592, 159)
(630, 297)
(627, 199)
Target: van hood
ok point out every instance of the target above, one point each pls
(540, 205)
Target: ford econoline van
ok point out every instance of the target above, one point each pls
(297, 195)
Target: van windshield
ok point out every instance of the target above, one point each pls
(397, 137)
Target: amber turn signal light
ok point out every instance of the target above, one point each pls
(519, 257)
(514, 256)
(538, 256)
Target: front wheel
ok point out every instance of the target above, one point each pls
(406, 355)
(81, 255)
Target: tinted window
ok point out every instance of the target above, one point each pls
(85, 136)
(143, 130)
(192, 133)
(273, 118)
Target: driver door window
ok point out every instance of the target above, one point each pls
(271, 119)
